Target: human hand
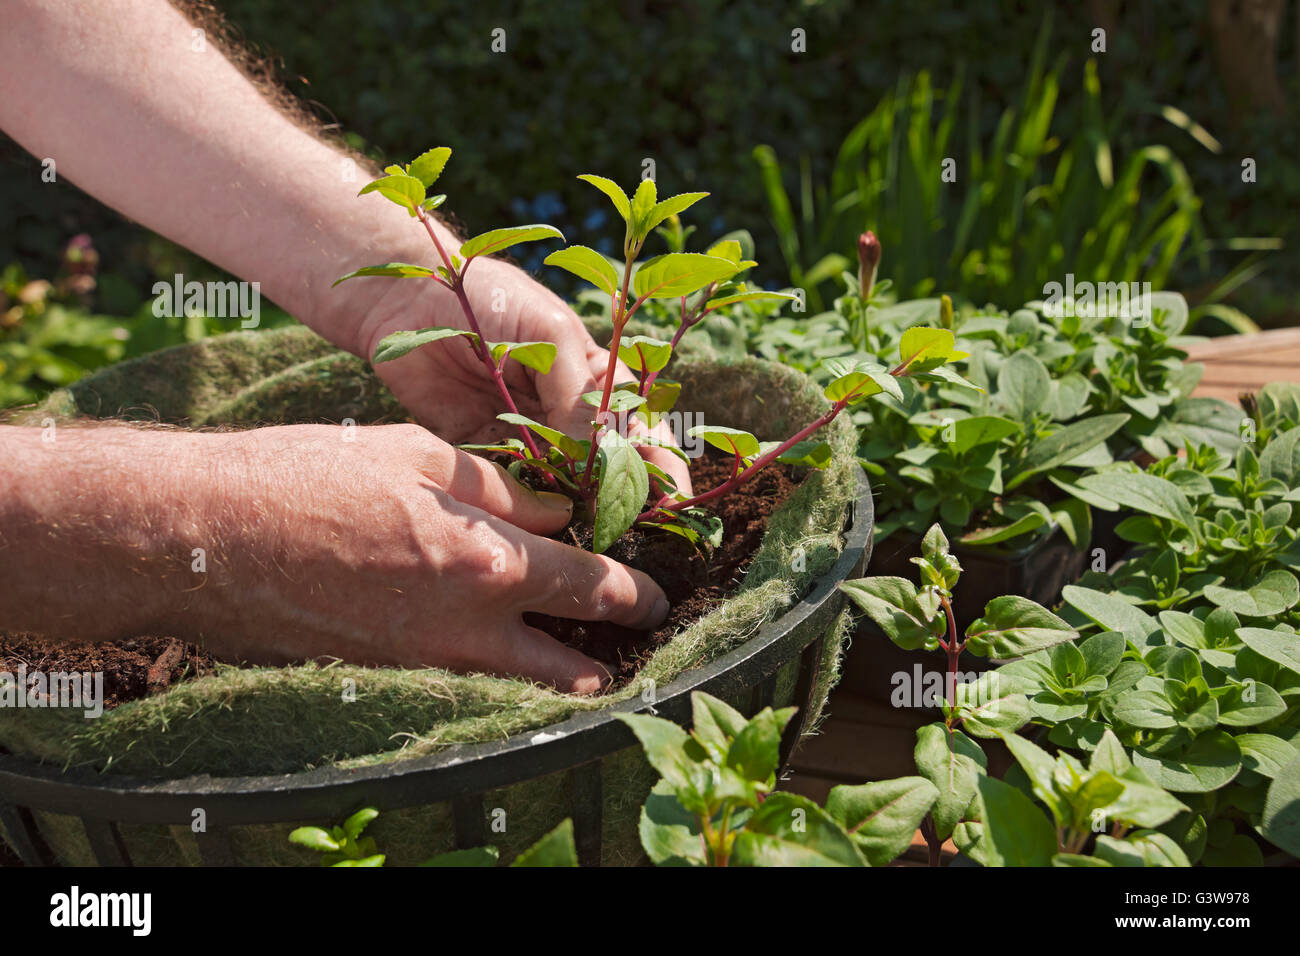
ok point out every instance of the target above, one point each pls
(445, 385)
(376, 544)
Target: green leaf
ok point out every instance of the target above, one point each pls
(1024, 386)
(1265, 754)
(981, 430)
(428, 166)
(731, 440)
(354, 825)
(588, 264)
(671, 206)
(479, 856)
(314, 838)
(922, 348)
(643, 353)
(809, 454)
(1145, 709)
(1022, 525)
(669, 832)
(882, 817)
(1281, 459)
(1014, 626)
(494, 240)
(790, 830)
(570, 447)
(1040, 767)
(620, 400)
(1249, 705)
(1275, 592)
(624, 485)
(1145, 493)
(715, 724)
(1280, 647)
(615, 193)
(554, 849)
(860, 379)
(988, 705)
(1109, 611)
(1141, 848)
(1065, 444)
(664, 744)
(953, 763)
(1281, 820)
(395, 270)
(677, 274)
(748, 295)
(405, 191)
(643, 201)
(1211, 761)
(400, 343)
(1015, 832)
(539, 356)
(755, 753)
(892, 603)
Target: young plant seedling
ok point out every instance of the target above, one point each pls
(605, 467)
(716, 804)
(915, 618)
(344, 846)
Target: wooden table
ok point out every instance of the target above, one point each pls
(865, 740)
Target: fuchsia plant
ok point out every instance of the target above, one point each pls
(605, 469)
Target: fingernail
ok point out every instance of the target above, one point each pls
(555, 501)
(660, 612)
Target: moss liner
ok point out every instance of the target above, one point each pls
(285, 719)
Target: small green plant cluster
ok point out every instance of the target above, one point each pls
(1054, 809)
(344, 845)
(1051, 392)
(1200, 680)
(604, 469)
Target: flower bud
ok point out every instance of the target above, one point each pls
(868, 262)
(945, 312)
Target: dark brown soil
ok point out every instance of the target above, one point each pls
(142, 666)
(132, 668)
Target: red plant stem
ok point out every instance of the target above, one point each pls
(954, 650)
(620, 317)
(478, 344)
(687, 322)
(736, 480)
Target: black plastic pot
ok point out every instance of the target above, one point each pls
(784, 663)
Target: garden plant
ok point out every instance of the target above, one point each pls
(604, 469)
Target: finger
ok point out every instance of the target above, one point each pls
(523, 651)
(561, 389)
(565, 582)
(486, 485)
(676, 469)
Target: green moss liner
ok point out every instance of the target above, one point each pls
(281, 720)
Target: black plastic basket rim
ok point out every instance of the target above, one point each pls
(460, 769)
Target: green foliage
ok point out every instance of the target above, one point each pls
(606, 470)
(715, 804)
(1053, 810)
(993, 214)
(1190, 662)
(345, 846)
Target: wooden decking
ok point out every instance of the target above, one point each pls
(865, 740)
(1240, 363)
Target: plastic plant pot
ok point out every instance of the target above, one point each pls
(586, 766)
